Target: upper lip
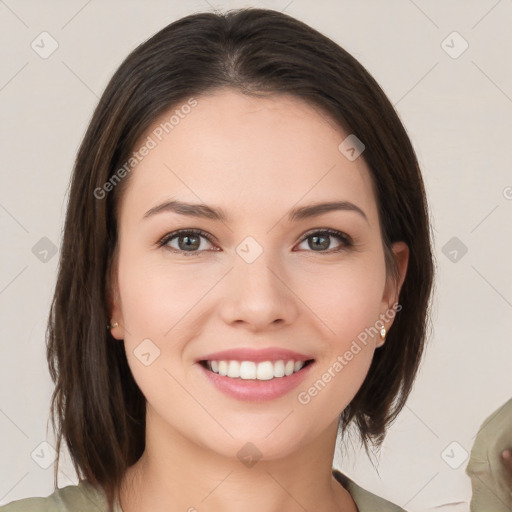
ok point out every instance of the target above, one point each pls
(256, 355)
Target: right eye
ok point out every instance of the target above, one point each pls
(188, 241)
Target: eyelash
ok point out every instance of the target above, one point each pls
(342, 237)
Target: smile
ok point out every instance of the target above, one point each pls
(252, 370)
(251, 381)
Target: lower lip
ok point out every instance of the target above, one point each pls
(257, 390)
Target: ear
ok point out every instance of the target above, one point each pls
(393, 286)
(114, 307)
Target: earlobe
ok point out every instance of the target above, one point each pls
(115, 324)
(392, 289)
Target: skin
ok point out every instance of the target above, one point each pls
(256, 158)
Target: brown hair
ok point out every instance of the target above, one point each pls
(97, 407)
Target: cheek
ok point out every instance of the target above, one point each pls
(348, 303)
(155, 302)
(335, 384)
(159, 302)
(156, 296)
(347, 299)
(348, 308)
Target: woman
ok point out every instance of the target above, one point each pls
(248, 219)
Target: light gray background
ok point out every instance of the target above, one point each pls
(458, 112)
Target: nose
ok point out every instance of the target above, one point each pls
(258, 295)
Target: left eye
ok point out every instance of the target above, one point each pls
(319, 241)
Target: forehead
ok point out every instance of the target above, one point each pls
(248, 154)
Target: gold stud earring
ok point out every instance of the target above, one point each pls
(383, 334)
(112, 325)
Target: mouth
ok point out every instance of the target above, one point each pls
(255, 370)
(256, 375)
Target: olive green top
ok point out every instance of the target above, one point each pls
(490, 479)
(86, 498)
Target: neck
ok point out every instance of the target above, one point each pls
(175, 474)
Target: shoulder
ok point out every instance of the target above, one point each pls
(490, 478)
(494, 436)
(74, 498)
(365, 500)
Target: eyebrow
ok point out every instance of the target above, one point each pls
(208, 212)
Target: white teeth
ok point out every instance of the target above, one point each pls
(279, 369)
(223, 368)
(265, 371)
(249, 370)
(234, 369)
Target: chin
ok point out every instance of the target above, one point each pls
(265, 440)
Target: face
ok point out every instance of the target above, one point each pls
(255, 274)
